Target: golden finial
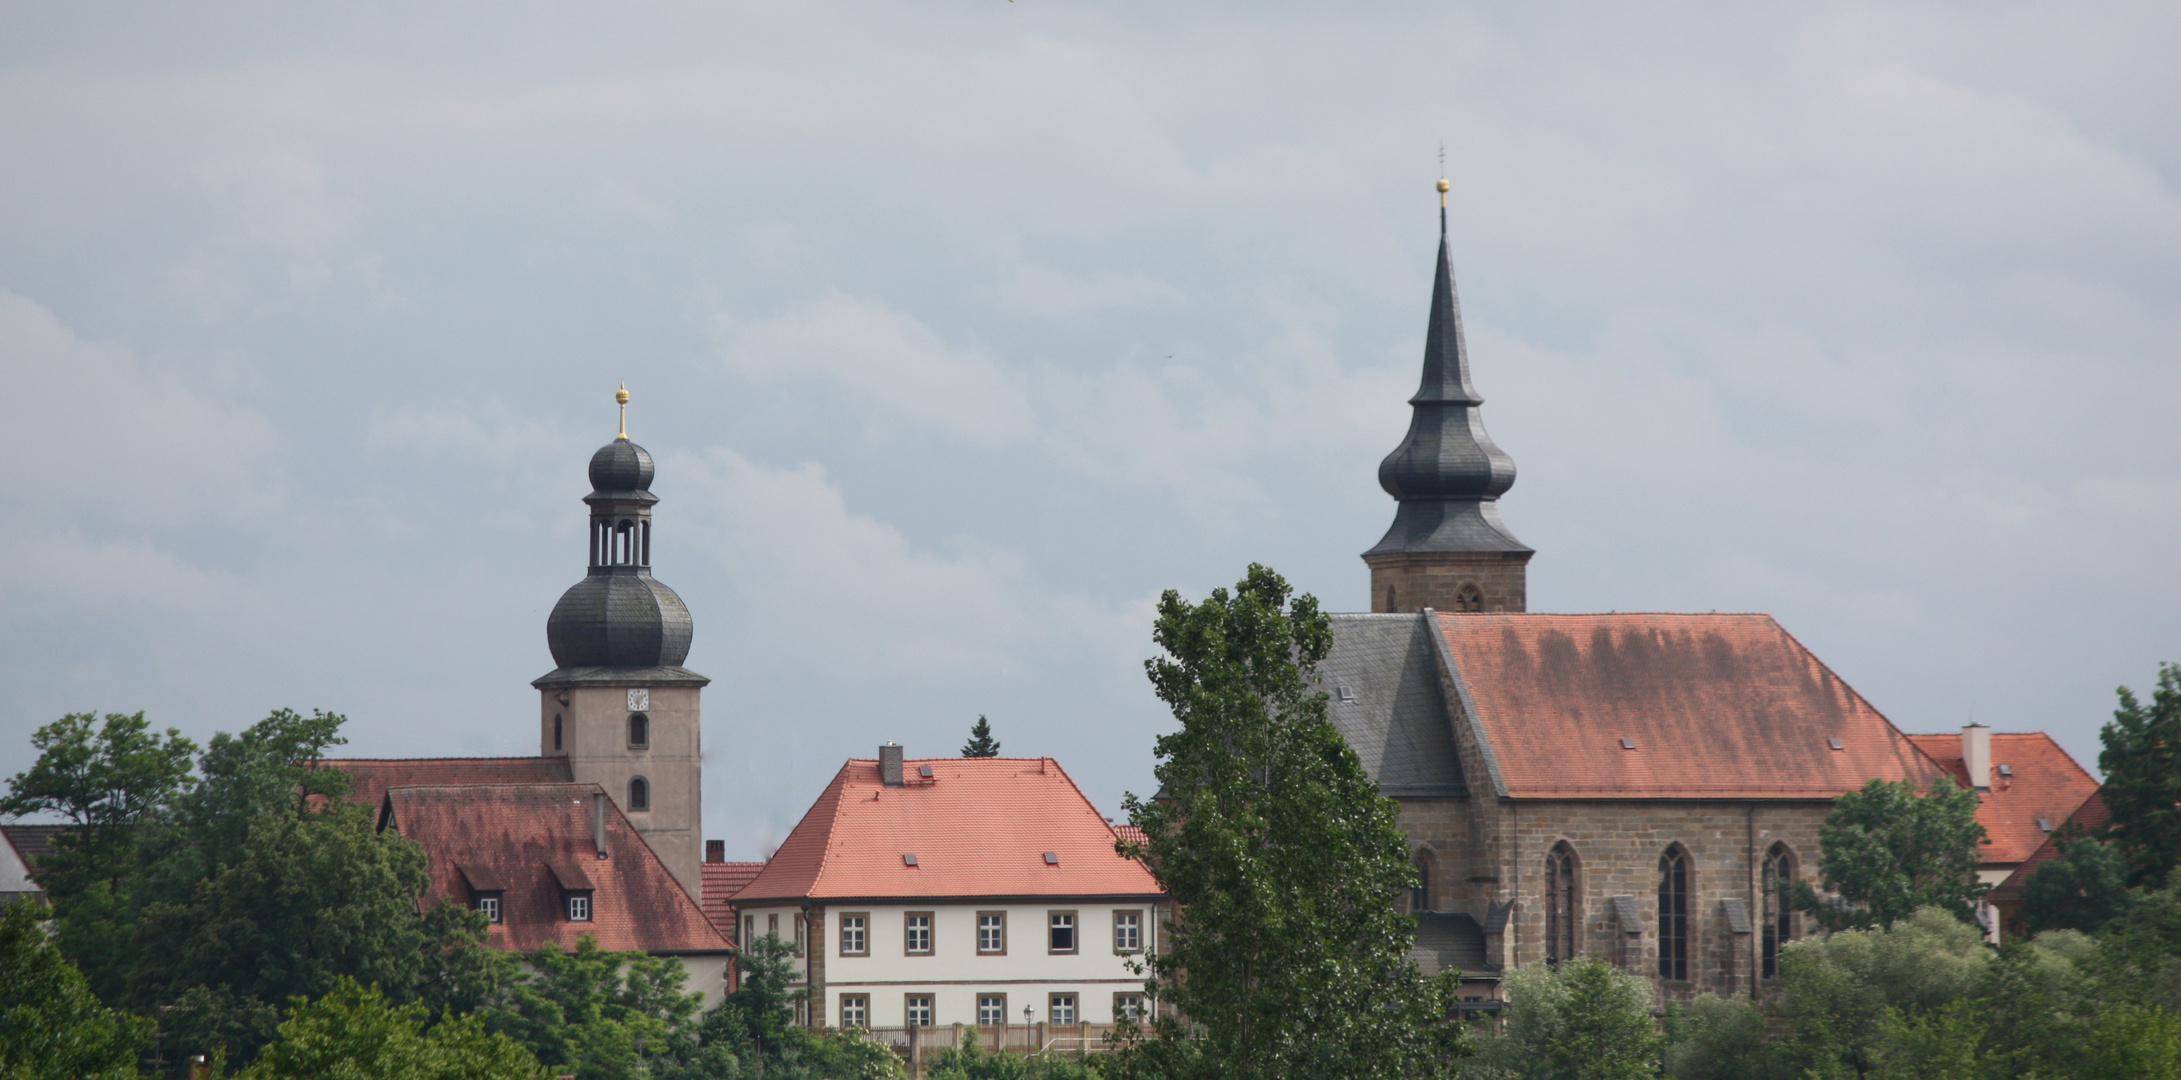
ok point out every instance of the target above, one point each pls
(622, 396)
(1443, 186)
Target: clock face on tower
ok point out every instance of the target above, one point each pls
(639, 700)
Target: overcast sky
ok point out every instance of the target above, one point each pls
(961, 329)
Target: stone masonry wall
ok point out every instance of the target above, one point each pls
(1435, 580)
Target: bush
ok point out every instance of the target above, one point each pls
(1579, 1020)
(1715, 1038)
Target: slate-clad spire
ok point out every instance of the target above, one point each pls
(1447, 475)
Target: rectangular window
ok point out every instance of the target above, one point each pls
(991, 932)
(855, 1010)
(853, 940)
(917, 1008)
(1128, 1007)
(579, 909)
(1061, 934)
(991, 1009)
(1128, 931)
(916, 933)
(802, 930)
(489, 903)
(1063, 1009)
(749, 930)
(772, 925)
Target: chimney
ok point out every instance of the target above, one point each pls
(1976, 755)
(715, 851)
(889, 764)
(598, 821)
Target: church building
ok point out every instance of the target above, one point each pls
(599, 833)
(1642, 787)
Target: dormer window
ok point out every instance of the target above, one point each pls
(579, 907)
(489, 903)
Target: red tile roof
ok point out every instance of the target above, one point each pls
(2091, 816)
(1132, 833)
(530, 839)
(721, 881)
(368, 778)
(977, 827)
(1715, 706)
(2046, 784)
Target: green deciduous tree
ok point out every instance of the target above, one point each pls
(981, 743)
(1716, 1038)
(1289, 960)
(2142, 764)
(355, 1033)
(51, 1026)
(2083, 889)
(1888, 852)
(1578, 1020)
(598, 1014)
(1841, 990)
(107, 778)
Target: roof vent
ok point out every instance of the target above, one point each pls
(1834, 743)
(2007, 771)
(1628, 744)
(924, 771)
(2044, 824)
(1052, 858)
(1347, 693)
(908, 858)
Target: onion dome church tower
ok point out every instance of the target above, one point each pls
(619, 706)
(1448, 549)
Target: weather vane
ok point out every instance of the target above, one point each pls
(1443, 185)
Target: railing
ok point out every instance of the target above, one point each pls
(918, 1045)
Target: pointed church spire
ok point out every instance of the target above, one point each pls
(1447, 476)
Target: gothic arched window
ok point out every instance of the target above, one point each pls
(1673, 914)
(1420, 895)
(1779, 913)
(639, 794)
(1469, 597)
(639, 729)
(1562, 915)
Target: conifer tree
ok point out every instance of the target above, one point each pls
(981, 743)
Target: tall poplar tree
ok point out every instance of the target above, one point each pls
(1289, 959)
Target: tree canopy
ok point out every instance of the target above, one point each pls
(1887, 851)
(1290, 960)
(2142, 765)
(51, 1026)
(981, 743)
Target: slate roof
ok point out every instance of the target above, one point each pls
(534, 840)
(1715, 706)
(979, 827)
(2092, 816)
(2047, 784)
(1382, 678)
(369, 778)
(1447, 942)
(721, 881)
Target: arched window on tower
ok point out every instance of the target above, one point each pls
(1779, 912)
(1393, 602)
(639, 730)
(624, 543)
(1469, 597)
(1562, 915)
(1673, 914)
(639, 793)
(1420, 894)
(556, 731)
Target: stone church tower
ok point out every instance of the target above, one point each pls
(620, 707)
(1447, 549)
